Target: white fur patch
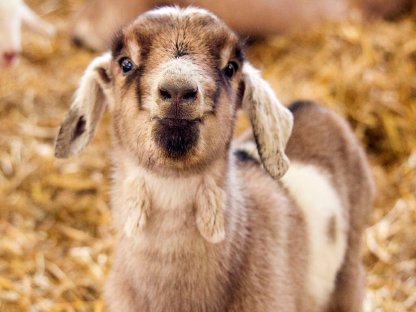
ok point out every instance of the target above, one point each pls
(165, 10)
(318, 199)
(168, 193)
(209, 212)
(200, 11)
(143, 191)
(137, 203)
(176, 11)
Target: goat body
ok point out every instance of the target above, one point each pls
(206, 223)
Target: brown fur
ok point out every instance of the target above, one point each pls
(207, 231)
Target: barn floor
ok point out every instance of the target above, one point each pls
(55, 230)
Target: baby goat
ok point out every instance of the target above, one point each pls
(205, 225)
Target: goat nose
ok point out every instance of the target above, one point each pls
(9, 57)
(178, 94)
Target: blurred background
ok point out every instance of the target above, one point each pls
(55, 224)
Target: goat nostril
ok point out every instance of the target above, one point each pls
(178, 95)
(189, 95)
(165, 94)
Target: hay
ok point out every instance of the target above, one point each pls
(55, 231)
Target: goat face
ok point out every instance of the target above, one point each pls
(176, 75)
(173, 82)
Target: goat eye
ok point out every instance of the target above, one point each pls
(230, 69)
(126, 65)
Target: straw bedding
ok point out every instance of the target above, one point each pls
(55, 226)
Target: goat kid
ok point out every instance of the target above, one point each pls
(206, 223)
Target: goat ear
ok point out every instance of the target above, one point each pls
(272, 122)
(93, 93)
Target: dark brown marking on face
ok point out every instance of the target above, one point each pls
(117, 44)
(226, 82)
(145, 43)
(221, 82)
(134, 78)
(180, 52)
(239, 52)
(176, 137)
(215, 97)
(217, 44)
(240, 93)
(332, 229)
(181, 48)
(138, 89)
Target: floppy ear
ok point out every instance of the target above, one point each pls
(93, 93)
(272, 122)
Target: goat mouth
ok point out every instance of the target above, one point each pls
(171, 121)
(176, 137)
